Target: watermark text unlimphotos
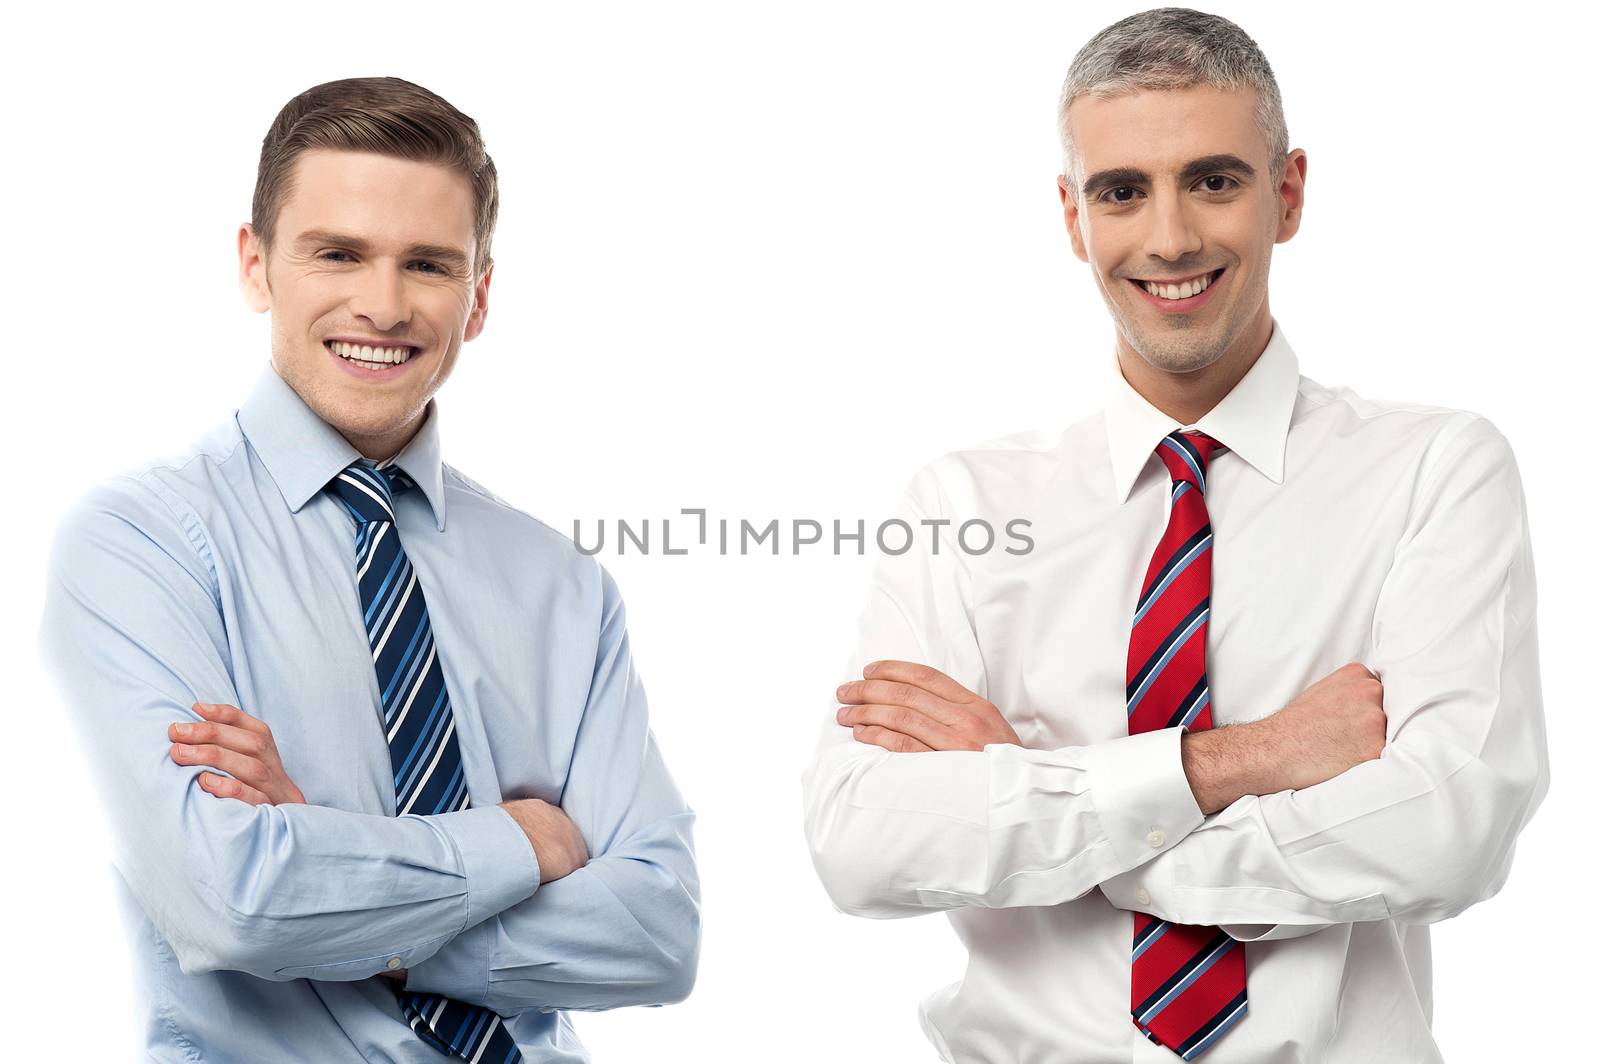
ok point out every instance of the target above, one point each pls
(694, 532)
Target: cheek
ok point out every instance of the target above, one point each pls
(308, 298)
(1110, 247)
(1253, 231)
(446, 309)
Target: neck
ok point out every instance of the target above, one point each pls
(380, 447)
(383, 445)
(1186, 397)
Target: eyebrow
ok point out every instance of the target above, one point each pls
(454, 256)
(1128, 175)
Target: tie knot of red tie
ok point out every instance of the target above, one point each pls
(1186, 455)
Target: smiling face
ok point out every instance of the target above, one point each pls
(1177, 189)
(374, 250)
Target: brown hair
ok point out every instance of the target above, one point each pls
(388, 116)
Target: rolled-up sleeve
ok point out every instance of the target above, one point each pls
(1429, 828)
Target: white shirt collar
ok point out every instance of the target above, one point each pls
(1252, 420)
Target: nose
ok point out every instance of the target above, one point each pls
(380, 296)
(1172, 232)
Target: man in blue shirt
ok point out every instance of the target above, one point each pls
(204, 626)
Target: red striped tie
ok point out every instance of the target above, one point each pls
(1188, 980)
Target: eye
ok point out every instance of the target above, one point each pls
(433, 267)
(1114, 195)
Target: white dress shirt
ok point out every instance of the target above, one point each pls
(1345, 529)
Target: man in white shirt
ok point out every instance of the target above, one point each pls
(1359, 736)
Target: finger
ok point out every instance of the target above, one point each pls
(226, 787)
(251, 743)
(236, 764)
(226, 714)
(895, 693)
(898, 742)
(907, 722)
(924, 676)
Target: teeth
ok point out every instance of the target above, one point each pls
(364, 353)
(1178, 291)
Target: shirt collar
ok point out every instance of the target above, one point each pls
(1252, 420)
(302, 452)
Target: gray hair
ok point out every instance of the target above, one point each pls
(1172, 48)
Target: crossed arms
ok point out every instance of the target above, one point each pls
(134, 636)
(903, 815)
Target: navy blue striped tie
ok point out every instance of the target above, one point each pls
(428, 777)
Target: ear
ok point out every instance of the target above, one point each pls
(1291, 195)
(480, 305)
(1069, 208)
(253, 271)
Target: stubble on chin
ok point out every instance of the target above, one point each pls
(1170, 349)
(1177, 354)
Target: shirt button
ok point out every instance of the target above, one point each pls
(1143, 896)
(394, 962)
(1156, 839)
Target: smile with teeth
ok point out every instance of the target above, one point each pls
(1192, 287)
(370, 357)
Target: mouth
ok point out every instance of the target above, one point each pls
(373, 363)
(1191, 294)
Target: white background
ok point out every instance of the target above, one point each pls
(769, 259)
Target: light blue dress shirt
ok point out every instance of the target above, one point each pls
(227, 575)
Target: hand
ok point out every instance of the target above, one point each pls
(1333, 725)
(906, 707)
(398, 973)
(234, 741)
(557, 844)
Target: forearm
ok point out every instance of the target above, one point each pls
(1416, 836)
(278, 891)
(1225, 764)
(622, 930)
(304, 891)
(901, 834)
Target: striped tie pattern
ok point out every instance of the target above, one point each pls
(428, 776)
(1188, 980)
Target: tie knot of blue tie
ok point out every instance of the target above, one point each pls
(368, 491)
(1186, 455)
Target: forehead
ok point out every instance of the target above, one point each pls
(378, 197)
(1159, 130)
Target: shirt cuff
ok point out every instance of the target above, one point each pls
(1142, 794)
(497, 858)
(461, 969)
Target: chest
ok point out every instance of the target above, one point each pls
(1296, 572)
(302, 661)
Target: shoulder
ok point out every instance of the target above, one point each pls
(1428, 438)
(148, 504)
(990, 473)
(127, 529)
(537, 550)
